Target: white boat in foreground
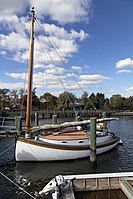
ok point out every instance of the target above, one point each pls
(65, 186)
(60, 145)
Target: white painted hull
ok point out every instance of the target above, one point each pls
(38, 151)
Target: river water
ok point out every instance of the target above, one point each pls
(33, 176)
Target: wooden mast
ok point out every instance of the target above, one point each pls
(30, 74)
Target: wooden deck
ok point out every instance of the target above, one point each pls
(72, 135)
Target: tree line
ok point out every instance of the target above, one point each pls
(16, 99)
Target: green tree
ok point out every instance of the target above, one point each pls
(128, 103)
(91, 102)
(35, 100)
(14, 99)
(22, 98)
(66, 100)
(48, 101)
(116, 102)
(84, 97)
(99, 100)
(4, 98)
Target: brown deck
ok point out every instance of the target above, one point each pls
(75, 135)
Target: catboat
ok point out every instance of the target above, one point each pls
(60, 145)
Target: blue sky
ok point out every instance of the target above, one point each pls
(93, 41)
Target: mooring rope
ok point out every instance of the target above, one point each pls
(10, 179)
(7, 149)
(17, 185)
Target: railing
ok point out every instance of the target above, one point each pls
(7, 123)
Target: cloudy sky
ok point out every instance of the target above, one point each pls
(80, 45)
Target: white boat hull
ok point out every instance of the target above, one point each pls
(31, 150)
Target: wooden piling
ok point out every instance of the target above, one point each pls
(93, 160)
(104, 114)
(18, 124)
(54, 119)
(36, 119)
(42, 115)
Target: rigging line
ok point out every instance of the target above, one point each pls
(83, 91)
(44, 48)
(54, 66)
(24, 90)
(53, 45)
(17, 185)
(7, 149)
(51, 41)
(57, 51)
(42, 58)
(63, 61)
(48, 57)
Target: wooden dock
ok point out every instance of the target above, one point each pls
(96, 182)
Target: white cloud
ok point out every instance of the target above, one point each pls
(16, 42)
(13, 6)
(110, 92)
(124, 71)
(15, 46)
(11, 86)
(13, 23)
(65, 46)
(81, 35)
(124, 63)
(60, 32)
(93, 79)
(17, 75)
(55, 70)
(72, 75)
(2, 52)
(14, 38)
(82, 83)
(13, 41)
(64, 11)
(59, 82)
(76, 68)
(41, 80)
(130, 90)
